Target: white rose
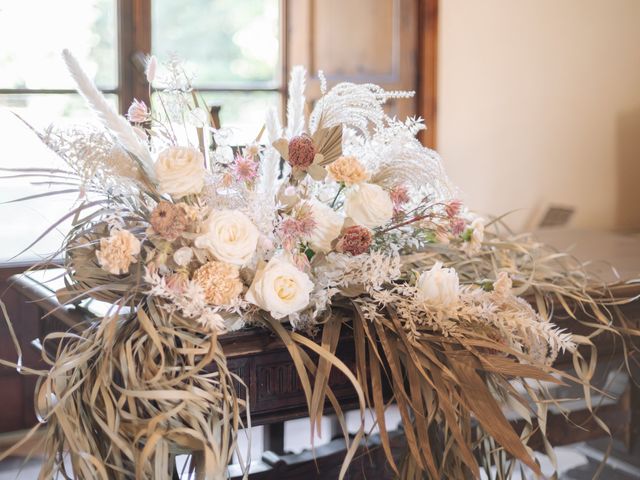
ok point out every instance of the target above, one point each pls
(180, 171)
(368, 205)
(183, 256)
(439, 287)
(280, 288)
(328, 225)
(230, 237)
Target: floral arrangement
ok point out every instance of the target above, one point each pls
(340, 217)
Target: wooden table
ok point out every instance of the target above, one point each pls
(276, 395)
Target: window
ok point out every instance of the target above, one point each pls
(233, 49)
(34, 82)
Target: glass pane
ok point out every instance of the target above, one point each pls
(221, 41)
(242, 112)
(20, 147)
(34, 32)
(41, 110)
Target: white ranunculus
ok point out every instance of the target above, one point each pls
(368, 205)
(280, 288)
(180, 171)
(439, 287)
(183, 256)
(328, 225)
(230, 237)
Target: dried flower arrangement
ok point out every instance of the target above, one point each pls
(339, 211)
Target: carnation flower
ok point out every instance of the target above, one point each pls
(138, 112)
(220, 282)
(355, 240)
(177, 282)
(168, 220)
(301, 152)
(347, 170)
(439, 287)
(118, 251)
(244, 169)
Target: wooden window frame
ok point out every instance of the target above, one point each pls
(134, 34)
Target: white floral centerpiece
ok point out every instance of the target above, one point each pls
(338, 218)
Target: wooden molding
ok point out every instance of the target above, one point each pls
(427, 82)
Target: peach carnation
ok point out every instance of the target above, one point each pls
(347, 170)
(220, 282)
(118, 251)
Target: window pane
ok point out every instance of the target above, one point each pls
(33, 33)
(20, 147)
(221, 41)
(41, 110)
(244, 113)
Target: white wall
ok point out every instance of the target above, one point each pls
(539, 101)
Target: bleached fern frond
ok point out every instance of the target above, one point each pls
(351, 105)
(295, 105)
(274, 129)
(270, 164)
(117, 125)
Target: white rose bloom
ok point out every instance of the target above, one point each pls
(439, 287)
(328, 226)
(180, 171)
(183, 256)
(230, 237)
(368, 205)
(280, 288)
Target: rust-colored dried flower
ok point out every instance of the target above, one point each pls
(301, 151)
(354, 240)
(220, 282)
(347, 170)
(168, 220)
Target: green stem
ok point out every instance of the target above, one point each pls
(335, 199)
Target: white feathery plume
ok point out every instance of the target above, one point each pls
(271, 161)
(115, 123)
(295, 105)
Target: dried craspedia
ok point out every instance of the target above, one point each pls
(220, 282)
(354, 240)
(301, 151)
(168, 220)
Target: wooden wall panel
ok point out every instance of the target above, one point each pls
(356, 41)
